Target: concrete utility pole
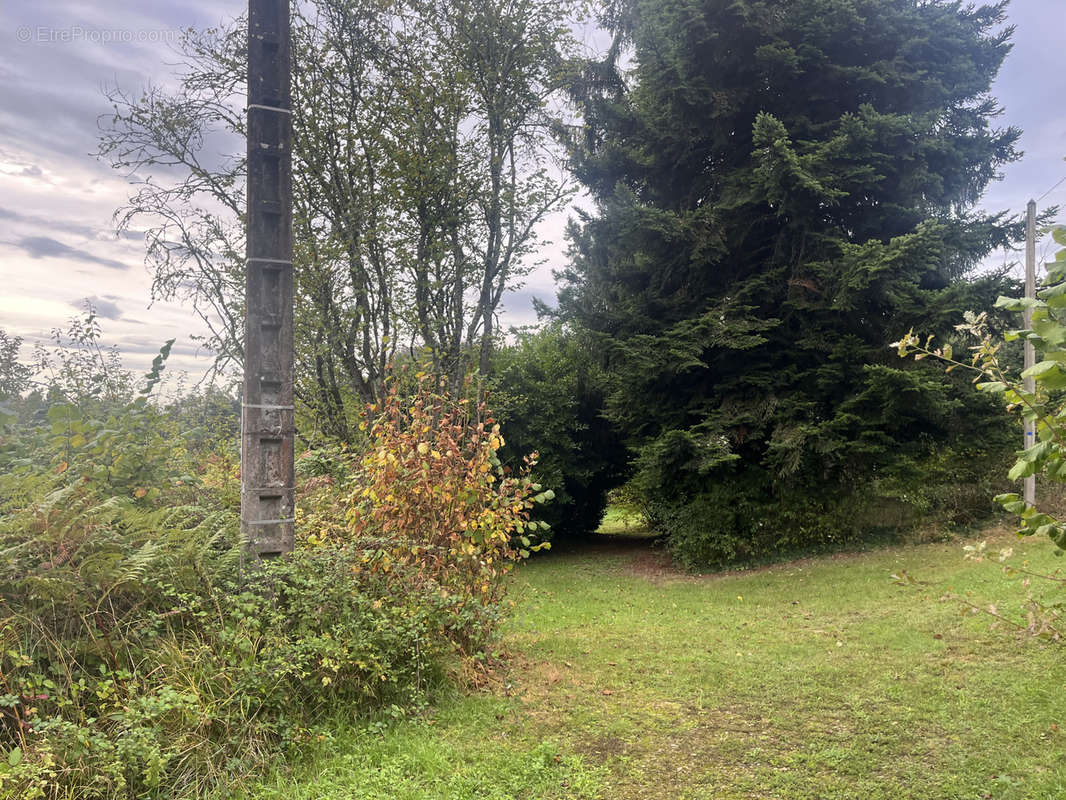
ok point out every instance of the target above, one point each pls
(267, 424)
(1030, 351)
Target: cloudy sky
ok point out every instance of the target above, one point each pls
(58, 245)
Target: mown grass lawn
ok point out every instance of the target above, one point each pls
(815, 679)
(621, 521)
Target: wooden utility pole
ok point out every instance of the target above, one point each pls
(1030, 352)
(267, 424)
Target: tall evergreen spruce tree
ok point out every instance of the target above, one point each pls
(783, 187)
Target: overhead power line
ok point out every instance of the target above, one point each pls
(1053, 188)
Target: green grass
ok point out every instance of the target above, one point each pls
(813, 679)
(622, 521)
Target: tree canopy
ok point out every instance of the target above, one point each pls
(422, 166)
(780, 188)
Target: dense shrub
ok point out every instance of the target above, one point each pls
(141, 656)
(140, 660)
(730, 523)
(547, 391)
(730, 515)
(432, 490)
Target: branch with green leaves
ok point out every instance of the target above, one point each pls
(1044, 405)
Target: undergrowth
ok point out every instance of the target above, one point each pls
(142, 654)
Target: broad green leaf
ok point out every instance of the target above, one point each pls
(1018, 303)
(1022, 469)
(1054, 296)
(1049, 373)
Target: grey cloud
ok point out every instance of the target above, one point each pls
(104, 308)
(144, 345)
(53, 93)
(47, 247)
(523, 301)
(48, 119)
(71, 226)
(65, 225)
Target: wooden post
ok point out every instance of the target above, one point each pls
(267, 424)
(1029, 492)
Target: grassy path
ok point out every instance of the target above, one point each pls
(816, 679)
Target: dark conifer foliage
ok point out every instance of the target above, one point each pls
(782, 188)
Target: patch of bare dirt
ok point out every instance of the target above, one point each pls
(655, 565)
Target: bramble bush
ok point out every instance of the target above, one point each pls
(140, 660)
(139, 657)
